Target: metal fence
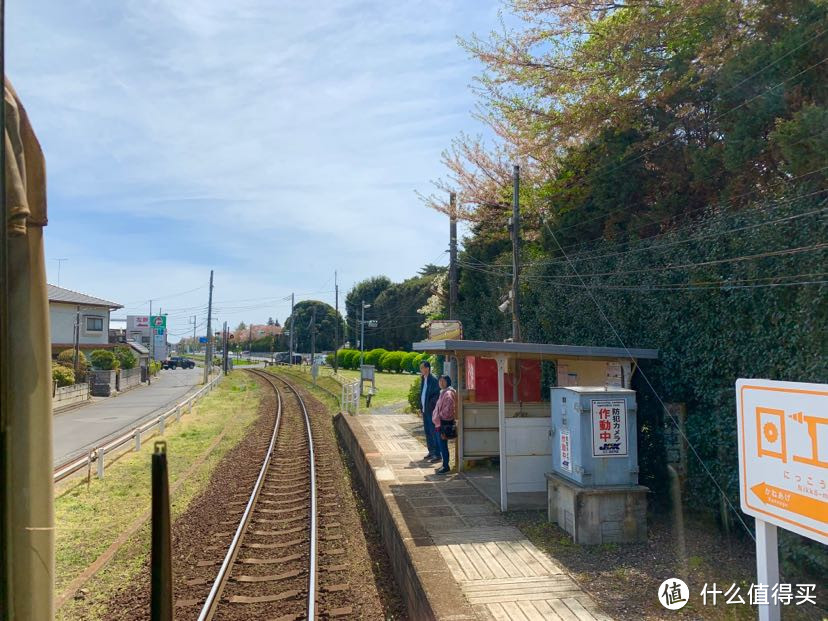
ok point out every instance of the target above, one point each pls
(135, 436)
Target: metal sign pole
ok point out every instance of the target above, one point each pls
(767, 567)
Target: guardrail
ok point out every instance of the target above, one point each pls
(98, 455)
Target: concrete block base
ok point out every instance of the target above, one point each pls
(594, 515)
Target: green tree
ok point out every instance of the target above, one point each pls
(67, 359)
(126, 358)
(325, 322)
(365, 291)
(104, 360)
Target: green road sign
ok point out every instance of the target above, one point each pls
(159, 322)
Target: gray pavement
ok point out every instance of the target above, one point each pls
(83, 428)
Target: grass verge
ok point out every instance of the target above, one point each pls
(89, 520)
(392, 388)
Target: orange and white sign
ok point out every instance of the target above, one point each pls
(783, 454)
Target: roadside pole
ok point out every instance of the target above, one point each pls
(151, 346)
(290, 360)
(76, 355)
(452, 256)
(336, 324)
(208, 358)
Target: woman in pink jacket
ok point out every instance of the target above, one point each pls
(443, 413)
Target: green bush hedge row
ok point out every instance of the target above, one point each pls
(389, 361)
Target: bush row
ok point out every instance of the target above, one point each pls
(382, 360)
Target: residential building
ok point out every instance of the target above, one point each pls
(68, 308)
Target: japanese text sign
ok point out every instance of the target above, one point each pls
(609, 428)
(566, 455)
(783, 454)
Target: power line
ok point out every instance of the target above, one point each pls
(647, 379)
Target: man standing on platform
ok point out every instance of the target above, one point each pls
(429, 393)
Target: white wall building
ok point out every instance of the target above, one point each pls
(138, 329)
(64, 307)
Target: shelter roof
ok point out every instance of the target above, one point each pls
(533, 350)
(67, 296)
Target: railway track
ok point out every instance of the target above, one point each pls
(284, 555)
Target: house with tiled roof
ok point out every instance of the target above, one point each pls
(68, 308)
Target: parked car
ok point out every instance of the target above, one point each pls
(184, 363)
(169, 363)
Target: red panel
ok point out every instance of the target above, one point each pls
(485, 381)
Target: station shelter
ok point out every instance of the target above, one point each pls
(502, 412)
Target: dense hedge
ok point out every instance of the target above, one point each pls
(67, 359)
(712, 321)
(104, 360)
(126, 358)
(64, 376)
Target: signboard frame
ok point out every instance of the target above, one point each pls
(596, 407)
(775, 423)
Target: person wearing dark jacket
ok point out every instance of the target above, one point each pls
(429, 393)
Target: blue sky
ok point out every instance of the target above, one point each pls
(272, 141)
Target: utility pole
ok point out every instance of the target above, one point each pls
(151, 346)
(336, 323)
(250, 340)
(313, 334)
(208, 357)
(452, 255)
(515, 228)
(362, 336)
(224, 348)
(195, 318)
(290, 361)
(76, 357)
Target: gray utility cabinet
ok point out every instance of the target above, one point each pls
(595, 438)
(592, 491)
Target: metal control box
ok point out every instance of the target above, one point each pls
(594, 435)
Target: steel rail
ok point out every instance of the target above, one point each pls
(210, 604)
(78, 463)
(313, 521)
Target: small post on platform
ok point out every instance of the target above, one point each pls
(767, 566)
(161, 425)
(501, 422)
(100, 458)
(161, 608)
(137, 440)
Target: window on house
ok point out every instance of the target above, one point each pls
(94, 324)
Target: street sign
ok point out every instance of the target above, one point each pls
(783, 454)
(202, 339)
(159, 321)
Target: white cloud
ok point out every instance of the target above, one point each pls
(246, 122)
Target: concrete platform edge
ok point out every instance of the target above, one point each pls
(425, 581)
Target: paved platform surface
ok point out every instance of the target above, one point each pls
(500, 572)
(80, 429)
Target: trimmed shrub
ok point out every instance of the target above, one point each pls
(407, 364)
(126, 358)
(67, 359)
(64, 376)
(352, 359)
(391, 361)
(414, 396)
(104, 360)
(154, 367)
(329, 359)
(374, 357)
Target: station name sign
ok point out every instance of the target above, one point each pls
(783, 454)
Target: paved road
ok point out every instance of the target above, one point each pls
(83, 428)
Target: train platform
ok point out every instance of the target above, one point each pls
(454, 555)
